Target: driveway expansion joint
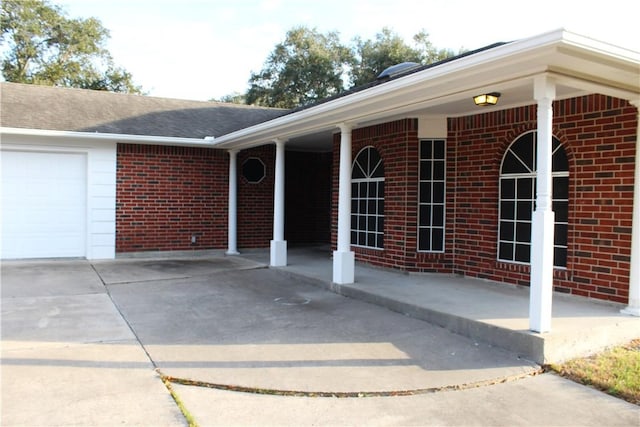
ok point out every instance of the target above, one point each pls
(348, 394)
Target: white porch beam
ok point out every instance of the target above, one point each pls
(278, 244)
(634, 275)
(542, 227)
(232, 236)
(343, 257)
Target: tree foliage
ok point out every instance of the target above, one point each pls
(309, 65)
(232, 98)
(371, 57)
(44, 46)
(306, 67)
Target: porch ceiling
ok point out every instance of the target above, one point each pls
(577, 64)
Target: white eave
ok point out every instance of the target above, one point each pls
(578, 64)
(123, 138)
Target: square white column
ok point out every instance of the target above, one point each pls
(343, 267)
(542, 227)
(278, 253)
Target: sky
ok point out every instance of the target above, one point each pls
(204, 49)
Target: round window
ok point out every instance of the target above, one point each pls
(253, 170)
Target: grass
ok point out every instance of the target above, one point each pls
(185, 412)
(615, 371)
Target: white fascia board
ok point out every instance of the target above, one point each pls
(126, 138)
(523, 56)
(611, 51)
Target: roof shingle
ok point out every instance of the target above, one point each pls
(66, 109)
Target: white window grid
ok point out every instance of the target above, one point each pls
(514, 221)
(435, 227)
(367, 201)
(367, 213)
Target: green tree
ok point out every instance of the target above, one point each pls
(371, 57)
(309, 66)
(232, 98)
(306, 67)
(43, 46)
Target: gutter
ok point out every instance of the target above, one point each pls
(126, 138)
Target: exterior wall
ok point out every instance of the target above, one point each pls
(308, 197)
(101, 184)
(597, 132)
(601, 133)
(397, 144)
(255, 200)
(166, 195)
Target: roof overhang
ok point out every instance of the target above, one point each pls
(576, 64)
(112, 137)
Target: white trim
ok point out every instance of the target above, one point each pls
(366, 215)
(100, 218)
(558, 51)
(633, 307)
(444, 198)
(430, 127)
(124, 138)
(525, 175)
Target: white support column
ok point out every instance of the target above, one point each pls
(542, 227)
(278, 244)
(634, 275)
(232, 246)
(343, 257)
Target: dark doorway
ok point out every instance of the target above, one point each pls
(307, 198)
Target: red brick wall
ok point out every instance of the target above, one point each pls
(598, 134)
(601, 134)
(164, 195)
(397, 143)
(167, 194)
(255, 200)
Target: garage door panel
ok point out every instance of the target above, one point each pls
(43, 204)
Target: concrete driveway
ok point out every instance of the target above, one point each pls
(87, 343)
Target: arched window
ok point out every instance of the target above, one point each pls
(367, 199)
(517, 200)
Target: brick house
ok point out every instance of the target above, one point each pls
(406, 172)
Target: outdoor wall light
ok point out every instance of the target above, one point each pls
(486, 99)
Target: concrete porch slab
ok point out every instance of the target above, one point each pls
(493, 313)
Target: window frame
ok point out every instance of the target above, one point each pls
(531, 175)
(362, 199)
(431, 204)
(244, 171)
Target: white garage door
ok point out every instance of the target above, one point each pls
(43, 204)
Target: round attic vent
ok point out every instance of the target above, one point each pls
(397, 69)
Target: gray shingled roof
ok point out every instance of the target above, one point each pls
(54, 108)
